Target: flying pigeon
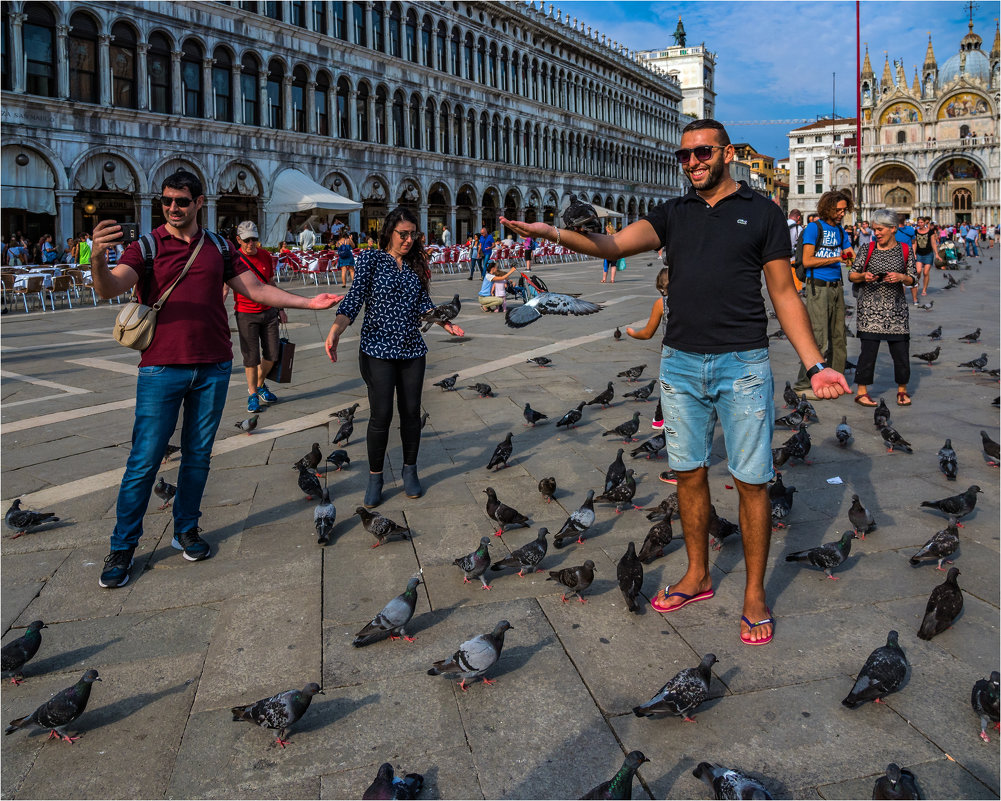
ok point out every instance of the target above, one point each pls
(169, 450)
(627, 429)
(279, 711)
(388, 786)
(547, 488)
(780, 497)
(532, 417)
(827, 556)
(505, 515)
(339, 459)
(501, 454)
(632, 373)
(382, 528)
(249, 424)
(548, 303)
(164, 492)
(790, 397)
(309, 483)
(642, 393)
(390, 622)
(617, 334)
(720, 528)
(943, 544)
(951, 283)
(620, 786)
(571, 418)
(651, 447)
(578, 522)
(657, 539)
(346, 413)
(629, 572)
(483, 390)
(882, 674)
(935, 335)
(928, 357)
(947, 461)
(958, 505)
(576, 579)
(324, 517)
(21, 520)
(527, 557)
(682, 694)
(60, 710)
(666, 508)
(971, 338)
(729, 783)
(344, 432)
(15, 653)
(977, 365)
(616, 472)
(881, 414)
(542, 361)
(944, 605)
(441, 314)
(475, 564)
(984, 701)
(312, 459)
(603, 398)
(621, 495)
(843, 432)
(898, 783)
(861, 518)
(992, 449)
(792, 420)
(892, 440)
(475, 656)
(446, 384)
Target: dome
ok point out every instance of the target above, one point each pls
(972, 63)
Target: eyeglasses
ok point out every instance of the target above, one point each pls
(702, 153)
(405, 235)
(182, 202)
(841, 209)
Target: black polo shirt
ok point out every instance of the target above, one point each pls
(716, 254)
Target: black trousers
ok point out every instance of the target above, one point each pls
(866, 368)
(384, 377)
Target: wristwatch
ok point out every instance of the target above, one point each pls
(816, 369)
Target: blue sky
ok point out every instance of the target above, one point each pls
(774, 59)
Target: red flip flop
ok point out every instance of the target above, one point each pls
(751, 626)
(686, 599)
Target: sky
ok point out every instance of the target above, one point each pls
(774, 60)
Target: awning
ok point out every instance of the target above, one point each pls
(601, 211)
(296, 191)
(28, 187)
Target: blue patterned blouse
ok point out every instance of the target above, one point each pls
(394, 300)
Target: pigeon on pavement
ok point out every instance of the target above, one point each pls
(957, 505)
(622, 494)
(629, 572)
(339, 459)
(475, 564)
(928, 357)
(548, 303)
(15, 653)
(805, 408)
(642, 393)
(527, 557)
(542, 361)
(657, 539)
(683, 694)
(309, 483)
(393, 618)
(620, 786)
(882, 674)
(249, 424)
(603, 398)
(312, 459)
(547, 488)
(977, 365)
(942, 545)
(627, 429)
(893, 441)
(576, 579)
(971, 338)
(22, 520)
(441, 314)
(279, 711)
(730, 783)
(382, 528)
(387, 786)
(843, 432)
(984, 700)
(720, 528)
(935, 335)
(827, 556)
(506, 516)
(169, 450)
(475, 656)
(571, 418)
(324, 517)
(501, 453)
(944, 605)
(898, 783)
(165, 492)
(780, 497)
(346, 413)
(792, 420)
(651, 447)
(861, 518)
(947, 461)
(483, 390)
(881, 414)
(446, 384)
(790, 397)
(532, 417)
(616, 471)
(668, 507)
(617, 334)
(344, 432)
(60, 710)
(927, 306)
(577, 523)
(992, 449)
(632, 373)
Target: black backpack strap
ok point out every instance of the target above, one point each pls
(147, 246)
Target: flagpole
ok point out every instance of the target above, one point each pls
(858, 117)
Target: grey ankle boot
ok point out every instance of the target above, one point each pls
(373, 495)
(411, 484)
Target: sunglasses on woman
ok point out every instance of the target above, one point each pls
(405, 235)
(702, 153)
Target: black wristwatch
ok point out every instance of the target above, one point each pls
(816, 369)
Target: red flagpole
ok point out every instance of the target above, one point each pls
(858, 116)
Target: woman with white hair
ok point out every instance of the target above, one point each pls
(880, 272)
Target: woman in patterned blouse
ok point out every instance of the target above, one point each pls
(393, 284)
(880, 272)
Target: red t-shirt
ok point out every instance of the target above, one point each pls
(192, 326)
(263, 263)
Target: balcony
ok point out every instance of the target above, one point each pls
(844, 153)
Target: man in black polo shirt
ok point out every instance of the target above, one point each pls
(717, 239)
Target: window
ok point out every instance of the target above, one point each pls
(297, 13)
(415, 122)
(249, 78)
(818, 189)
(503, 70)
(460, 140)
(467, 53)
(380, 116)
(272, 9)
(276, 74)
(441, 47)
(6, 71)
(800, 189)
(471, 134)
(221, 85)
(430, 127)
(443, 130)
(481, 66)
(84, 80)
(799, 140)
(378, 32)
(818, 139)
(394, 32)
(39, 37)
(410, 37)
(123, 67)
(484, 136)
(361, 112)
(399, 137)
(360, 36)
(492, 65)
(800, 168)
(340, 27)
(299, 79)
(962, 200)
(320, 104)
(427, 59)
(191, 79)
(320, 16)
(343, 121)
(454, 50)
(901, 137)
(818, 168)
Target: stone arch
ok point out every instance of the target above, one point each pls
(49, 156)
(171, 164)
(88, 174)
(340, 182)
(228, 179)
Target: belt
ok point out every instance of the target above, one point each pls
(816, 282)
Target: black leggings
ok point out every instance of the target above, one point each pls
(383, 377)
(866, 368)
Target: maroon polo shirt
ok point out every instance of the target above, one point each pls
(192, 326)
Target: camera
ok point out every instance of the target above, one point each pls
(130, 232)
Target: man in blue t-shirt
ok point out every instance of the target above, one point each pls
(905, 232)
(825, 247)
(484, 245)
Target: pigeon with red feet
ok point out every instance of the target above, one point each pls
(475, 656)
(279, 711)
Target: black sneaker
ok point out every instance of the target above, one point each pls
(194, 547)
(668, 477)
(116, 568)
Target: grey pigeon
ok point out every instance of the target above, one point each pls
(977, 365)
(729, 783)
(344, 433)
(651, 447)
(577, 523)
(629, 572)
(21, 520)
(444, 313)
(719, 529)
(882, 674)
(475, 656)
(603, 398)
(942, 545)
(532, 417)
(666, 508)
(312, 459)
(548, 303)
(616, 471)
(780, 497)
(948, 463)
(827, 556)
(944, 605)
(446, 384)
(642, 393)
(632, 373)
(970, 338)
(927, 306)
(620, 786)
(617, 334)
(60, 710)
(571, 418)
(506, 516)
(957, 505)
(898, 783)
(339, 459)
(249, 424)
(279, 711)
(805, 408)
(790, 397)
(474, 565)
(324, 517)
(881, 414)
(936, 334)
(169, 450)
(657, 539)
(843, 432)
(621, 495)
(928, 357)
(424, 419)
(15, 653)
(390, 622)
(501, 453)
(388, 786)
(861, 518)
(483, 390)
(992, 449)
(382, 528)
(527, 557)
(165, 492)
(542, 361)
(347, 413)
(627, 429)
(792, 420)
(309, 483)
(985, 699)
(683, 694)
(576, 579)
(893, 441)
(547, 488)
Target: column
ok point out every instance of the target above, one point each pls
(209, 220)
(64, 211)
(146, 212)
(287, 103)
(17, 52)
(208, 91)
(352, 114)
(368, 25)
(372, 126)
(422, 215)
(62, 62)
(450, 219)
(354, 220)
(142, 77)
(311, 107)
(477, 219)
(176, 86)
(104, 67)
(262, 99)
(236, 92)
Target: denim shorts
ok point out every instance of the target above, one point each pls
(924, 258)
(736, 388)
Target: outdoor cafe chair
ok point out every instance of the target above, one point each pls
(61, 284)
(31, 285)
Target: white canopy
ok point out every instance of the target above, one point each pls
(601, 211)
(296, 191)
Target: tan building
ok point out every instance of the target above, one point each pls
(759, 163)
(780, 180)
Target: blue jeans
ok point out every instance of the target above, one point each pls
(971, 245)
(478, 261)
(736, 388)
(160, 393)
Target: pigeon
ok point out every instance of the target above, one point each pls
(657, 539)
(666, 508)
(951, 283)
(827, 556)
(249, 424)
(60, 710)
(944, 605)
(577, 579)
(977, 365)
(475, 656)
(947, 461)
(958, 505)
(898, 783)
(346, 413)
(527, 557)
(578, 522)
(542, 361)
(778, 333)
(882, 674)
(935, 335)
(651, 447)
(441, 314)
(928, 357)
(279, 711)
(843, 432)
(547, 487)
(475, 564)
(339, 459)
(992, 449)
(805, 408)
(548, 303)
(390, 622)
(309, 483)
(312, 459)
(15, 653)
(164, 492)
(792, 420)
(720, 528)
(20, 520)
(505, 515)
(881, 414)
(927, 306)
(424, 422)
(730, 783)
(627, 429)
(790, 397)
(617, 334)
(943, 544)
(324, 517)
(382, 528)
(781, 455)
(616, 472)
(603, 398)
(892, 440)
(344, 432)
(388, 786)
(571, 418)
(971, 338)
(861, 518)
(532, 417)
(446, 384)
(632, 373)
(483, 390)
(780, 497)
(501, 454)
(169, 450)
(629, 572)
(642, 393)
(682, 694)
(798, 445)
(984, 701)
(621, 495)
(620, 786)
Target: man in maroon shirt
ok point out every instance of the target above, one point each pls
(188, 362)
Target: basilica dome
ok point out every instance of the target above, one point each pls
(972, 63)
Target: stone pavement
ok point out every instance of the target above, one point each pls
(183, 642)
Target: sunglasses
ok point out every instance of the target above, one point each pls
(702, 153)
(182, 202)
(405, 235)
(251, 239)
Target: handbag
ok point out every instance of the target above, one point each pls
(136, 322)
(281, 370)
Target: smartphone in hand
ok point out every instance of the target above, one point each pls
(130, 232)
